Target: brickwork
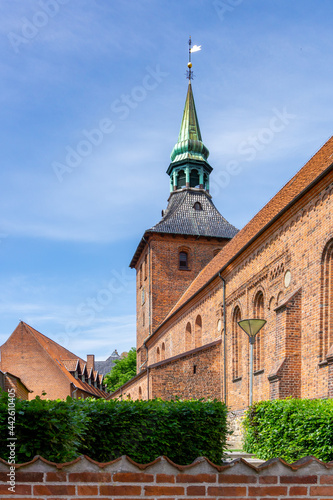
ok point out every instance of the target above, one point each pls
(196, 374)
(284, 266)
(41, 374)
(12, 382)
(160, 281)
(162, 479)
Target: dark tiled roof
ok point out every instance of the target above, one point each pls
(317, 166)
(105, 367)
(181, 217)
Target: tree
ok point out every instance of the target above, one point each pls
(122, 372)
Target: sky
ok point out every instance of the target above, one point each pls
(92, 94)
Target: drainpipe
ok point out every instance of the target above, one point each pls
(149, 315)
(224, 343)
(74, 392)
(147, 371)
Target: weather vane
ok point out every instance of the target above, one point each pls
(195, 48)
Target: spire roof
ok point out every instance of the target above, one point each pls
(189, 145)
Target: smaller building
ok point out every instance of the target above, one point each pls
(48, 369)
(8, 381)
(106, 366)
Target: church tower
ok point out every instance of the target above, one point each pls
(191, 232)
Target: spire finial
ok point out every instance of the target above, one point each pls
(189, 72)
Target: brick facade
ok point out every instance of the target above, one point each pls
(279, 267)
(48, 369)
(160, 282)
(122, 478)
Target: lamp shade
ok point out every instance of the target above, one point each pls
(251, 326)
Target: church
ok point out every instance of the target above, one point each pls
(197, 276)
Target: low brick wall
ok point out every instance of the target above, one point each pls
(85, 479)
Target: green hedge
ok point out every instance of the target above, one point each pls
(104, 430)
(290, 429)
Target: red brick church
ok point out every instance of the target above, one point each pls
(197, 276)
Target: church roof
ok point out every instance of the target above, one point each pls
(189, 144)
(181, 217)
(317, 167)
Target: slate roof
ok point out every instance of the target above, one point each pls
(319, 165)
(180, 217)
(106, 366)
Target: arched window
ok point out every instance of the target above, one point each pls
(188, 337)
(140, 275)
(163, 351)
(326, 319)
(140, 393)
(197, 206)
(146, 267)
(198, 332)
(158, 356)
(183, 260)
(216, 251)
(194, 178)
(258, 351)
(181, 179)
(236, 343)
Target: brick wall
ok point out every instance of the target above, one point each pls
(43, 374)
(196, 374)
(291, 339)
(163, 278)
(162, 479)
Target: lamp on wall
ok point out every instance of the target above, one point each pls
(251, 327)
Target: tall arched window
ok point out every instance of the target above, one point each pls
(163, 351)
(194, 178)
(183, 260)
(158, 356)
(258, 350)
(188, 337)
(198, 331)
(236, 343)
(326, 319)
(181, 183)
(140, 393)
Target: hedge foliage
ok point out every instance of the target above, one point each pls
(290, 429)
(62, 430)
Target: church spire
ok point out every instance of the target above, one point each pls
(189, 167)
(189, 144)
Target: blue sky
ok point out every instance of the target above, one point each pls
(92, 94)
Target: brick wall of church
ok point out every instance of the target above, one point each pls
(289, 347)
(168, 282)
(196, 374)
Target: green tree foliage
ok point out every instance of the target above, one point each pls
(290, 429)
(122, 372)
(104, 430)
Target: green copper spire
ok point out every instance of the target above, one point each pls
(189, 145)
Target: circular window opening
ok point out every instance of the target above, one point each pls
(287, 278)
